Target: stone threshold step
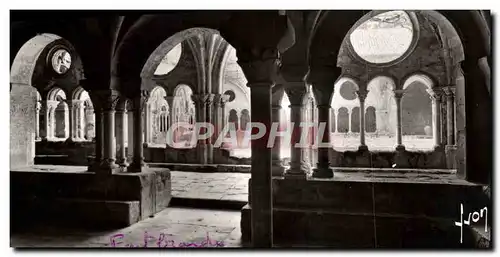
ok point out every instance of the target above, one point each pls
(85, 212)
(203, 168)
(239, 168)
(207, 203)
(333, 211)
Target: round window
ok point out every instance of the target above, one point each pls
(61, 61)
(384, 37)
(231, 95)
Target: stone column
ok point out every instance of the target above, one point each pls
(139, 103)
(50, 119)
(323, 169)
(110, 100)
(435, 95)
(208, 116)
(202, 103)
(147, 124)
(81, 121)
(130, 130)
(323, 82)
(171, 114)
(121, 116)
(277, 165)
(44, 127)
(398, 95)
(261, 73)
(299, 167)
(37, 120)
(450, 119)
(71, 120)
(96, 100)
(362, 93)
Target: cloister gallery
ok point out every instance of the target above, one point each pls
(405, 96)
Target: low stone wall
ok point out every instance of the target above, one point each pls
(370, 214)
(64, 153)
(33, 192)
(405, 159)
(189, 156)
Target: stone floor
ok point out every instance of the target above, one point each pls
(196, 185)
(179, 227)
(217, 186)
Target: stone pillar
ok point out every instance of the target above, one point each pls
(323, 169)
(277, 165)
(110, 100)
(147, 125)
(203, 103)
(139, 103)
(219, 103)
(81, 121)
(261, 73)
(130, 130)
(50, 119)
(435, 95)
(450, 117)
(97, 101)
(323, 82)
(475, 122)
(71, 120)
(299, 167)
(398, 95)
(44, 126)
(37, 120)
(208, 116)
(121, 116)
(362, 93)
(171, 114)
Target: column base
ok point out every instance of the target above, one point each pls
(277, 169)
(451, 155)
(137, 167)
(290, 174)
(400, 148)
(324, 172)
(69, 140)
(298, 170)
(363, 148)
(108, 167)
(123, 164)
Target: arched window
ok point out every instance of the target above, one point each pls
(343, 120)
(58, 119)
(233, 118)
(333, 121)
(370, 120)
(244, 119)
(355, 120)
(157, 108)
(184, 113)
(417, 112)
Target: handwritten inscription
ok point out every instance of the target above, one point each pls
(475, 218)
(163, 241)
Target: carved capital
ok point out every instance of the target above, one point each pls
(260, 66)
(362, 93)
(449, 91)
(203, 99)
(323, 95)
(51, 105)
(398, 94)
(139, 101)
(324, 77)
(220, 100)
(296, 93)
(107, 99)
